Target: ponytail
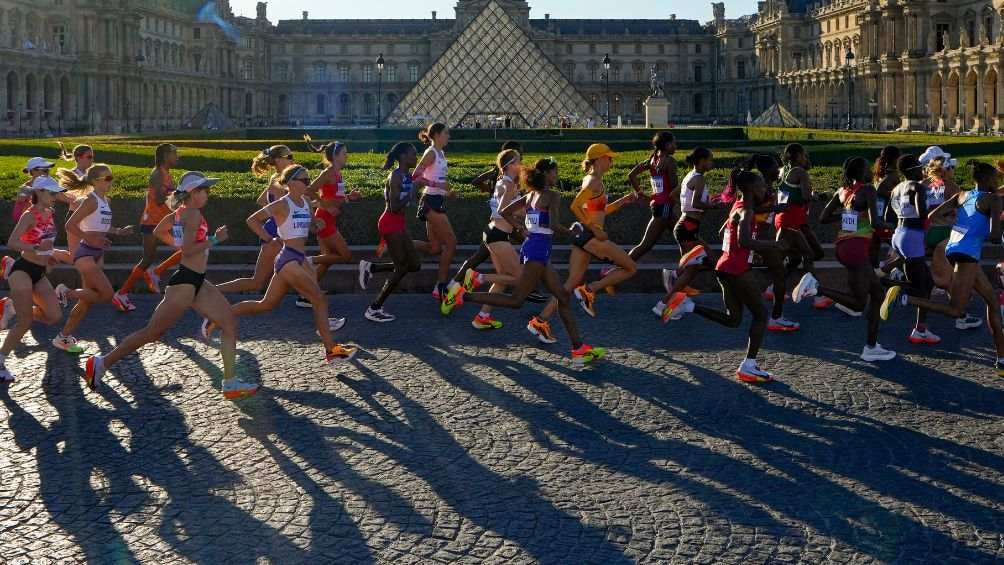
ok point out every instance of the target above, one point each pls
(328, 151)
(426, 135)
(81, 185)
(265, 160)
(886, 161)
(78, 150)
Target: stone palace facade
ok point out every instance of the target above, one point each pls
(149, 65)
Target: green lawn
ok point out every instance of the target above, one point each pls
(131, 158)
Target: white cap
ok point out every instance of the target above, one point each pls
(194, 179)
(46, 183)
(951, 163)
(932, 153)
(37, 163)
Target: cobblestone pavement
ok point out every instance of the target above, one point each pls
(442, 444)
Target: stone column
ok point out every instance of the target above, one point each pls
(980, 100)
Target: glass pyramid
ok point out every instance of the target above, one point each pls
(492, 70)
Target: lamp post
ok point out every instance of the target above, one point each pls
(986, 124)
(849, 58)
(606, 80)
(140, 59)
(379, 65)
(873, 105)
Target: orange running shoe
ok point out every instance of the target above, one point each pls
(587, 299)
(541, 329)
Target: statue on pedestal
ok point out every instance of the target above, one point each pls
(964, 38)
(655, 84)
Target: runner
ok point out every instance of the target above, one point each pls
(36, 167)
(589, 240)
(738, 282)
(497, 237)
(88, 226)
(433, 170)
(31, 295)
(661, 169)
(328, 190)
(82, 157)
(888, 178)
(292, 218)
(542, 206)
(978, 214)
(273, 160)
(187, 288)
(854, 206)
(794, 198)
(486, 181)
(398, 193)
(159, 187)
(909, 202)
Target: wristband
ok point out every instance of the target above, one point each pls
(213, 240)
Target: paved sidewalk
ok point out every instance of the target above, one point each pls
(443, 444)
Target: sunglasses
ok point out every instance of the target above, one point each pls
(108, 178)
(304, 180)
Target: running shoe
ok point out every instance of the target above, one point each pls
(926, 337)
(668, 279)
(365, 273)
(335, 324)
(152, 280)
(122, 302)
(537, 298)
(472, 280)
(968, 323)
(6, 312)
(340, 353)
(235, 388)
(750, 372)
(454, 297)
(61, 295)
(378, 315)
(67, 343)
(694, 255)
(768, 293)
(587, 354)
(94, 369)
(782, 324)
(658, 308)
(6, 264)
(206, 330)
(847, 310)
(822, 302)
(488, 322)
(586, 299)
(806, 287)
(541, 329)
(892, 296)
(678, 304)
(877, 353)
(302, 302)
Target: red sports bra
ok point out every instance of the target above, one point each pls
(44, 228)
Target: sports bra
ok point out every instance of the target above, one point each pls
(660, 183)
(596, 203)
(178, 230)
(333, 190)
(854, 220)
(687, 194)
(404, 193)
(436, 172)
(99, 220)
(297, 222)
(43, 230)
(538, 221)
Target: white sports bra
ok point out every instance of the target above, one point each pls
(101, 219)
(436, 172)
(297, 223)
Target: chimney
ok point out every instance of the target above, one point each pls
(672, 17)
(306, 14)
(547, 17)
(433, 15)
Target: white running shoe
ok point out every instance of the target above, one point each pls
(658, 308)
(335, 324)
(302, 302)
(365, 273)
(378, 316)
(67, 343)
(805, 288)
(847, 310)
(968, 323)
(61, 295)
(235, 388)
(877, 353)
(122, 302)
(926, 337)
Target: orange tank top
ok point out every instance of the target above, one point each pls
(154, 211)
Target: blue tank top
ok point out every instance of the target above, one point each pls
(270, 226)
(970, 230)
(538, 221)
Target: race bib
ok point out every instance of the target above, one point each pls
(178, 233)
(782, 196)
(657, 185)
(727, 241)
(849, 222)
(532, 219)
(958, 232)
(880, 207)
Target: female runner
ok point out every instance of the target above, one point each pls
(433, 170)
(661, 169)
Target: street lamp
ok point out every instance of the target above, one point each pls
(873, 105)
(140, 59)
(606, 78)
(849, 58)
(379, 64)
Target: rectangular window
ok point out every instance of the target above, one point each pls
(59, 38)
(413, 72)
(343, 73)
(697, 48)
(741, 70)
(367, 73)
(698, 73)
(197, 33)
(391, 73)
